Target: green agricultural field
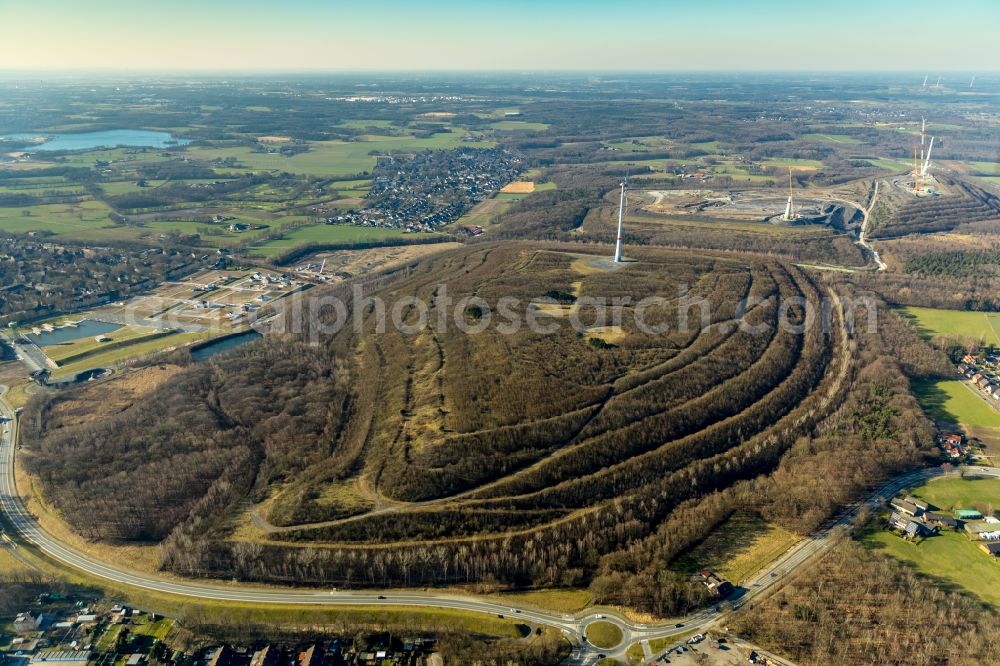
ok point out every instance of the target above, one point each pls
(127, 187)
(831, 138)
(58, 218)
(887, 164)
(220, 238)
(985, 168)
(933, 322)
(953, 493)
(950, 556)
(326, 233)
(955, 402)
(336, 158)
(737, 549)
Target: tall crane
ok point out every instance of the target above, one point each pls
(916, 171)
(927, 159)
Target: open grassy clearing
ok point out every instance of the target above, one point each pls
(558, 600)
(115, 357)
(158, 629)
(888, 164)
(951, 400)
(484, 212)
(58, 218)
(960, 492)
(950, 558)
(327, 233)
(603, 634)
(12, 568)
(738, 548)
(127, 187)
(985, 168)
(88, 345)
(984, 326)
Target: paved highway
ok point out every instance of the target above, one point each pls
(572, 626)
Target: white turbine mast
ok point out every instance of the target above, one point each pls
(923, 134)
(621, 217)
(925, 80)
(972, 81)
(788, 206)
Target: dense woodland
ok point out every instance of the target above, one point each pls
(858, 606)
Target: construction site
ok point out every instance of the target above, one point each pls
(920, 181)
(812, 207)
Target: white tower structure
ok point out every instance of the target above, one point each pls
(788, 206)
(923, 135)
(621, 216)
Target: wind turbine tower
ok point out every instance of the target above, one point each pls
(923, 134)
(925, 80)
(972, 81)
(621, 217)
(788, 206)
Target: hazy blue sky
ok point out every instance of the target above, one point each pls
(513, 34)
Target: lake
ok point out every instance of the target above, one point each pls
(228, 343)
(87, 328)
(102, 139)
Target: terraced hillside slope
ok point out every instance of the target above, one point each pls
(454, 446)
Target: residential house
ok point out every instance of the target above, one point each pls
(941, 520)
(975, 529)
(991, 548)
(25, 623)
(268, 656)
(311, 657)
(916, 529)
(904, 506)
